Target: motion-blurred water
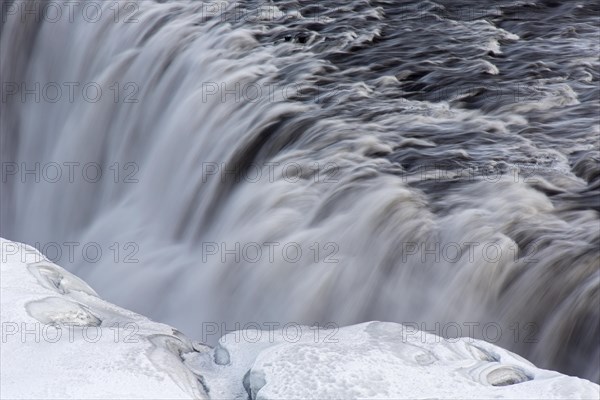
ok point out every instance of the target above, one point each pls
(433, 162)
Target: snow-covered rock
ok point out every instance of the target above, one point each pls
(382, 360)
(60, 340)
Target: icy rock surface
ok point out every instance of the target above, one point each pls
(60, 340)
(381, 360)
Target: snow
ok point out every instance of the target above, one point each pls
(382, 360)
(60, 340)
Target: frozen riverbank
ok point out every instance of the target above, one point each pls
(60, 340)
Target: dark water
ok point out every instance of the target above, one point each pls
(433, 162)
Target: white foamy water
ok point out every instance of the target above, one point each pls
(431, 165)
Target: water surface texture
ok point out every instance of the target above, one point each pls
(433, 162)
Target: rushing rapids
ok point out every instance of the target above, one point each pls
(431, 163)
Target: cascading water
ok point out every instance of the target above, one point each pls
(431, 165)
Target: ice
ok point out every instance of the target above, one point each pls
(61, 341)
(385, 360)
(55, 310)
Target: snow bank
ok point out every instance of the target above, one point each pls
(381, 360)
(60, 340)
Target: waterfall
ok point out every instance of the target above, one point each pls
(231, 164)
